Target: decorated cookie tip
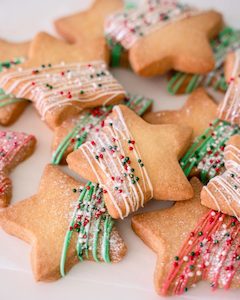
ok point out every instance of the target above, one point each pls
(227, 40)
(126, 27)
(94, 120)
(211, 255)
(14, 148)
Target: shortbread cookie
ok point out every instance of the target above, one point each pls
(11, 54)
(62, 79)
(222, 192)
(134, 161)
(192, 243)
(14, 148)
(59, 220)
(87, 25)
(229, 108)
(227, 41)
(198, 111)
(160, 36)
(74, 131)
(205, 156)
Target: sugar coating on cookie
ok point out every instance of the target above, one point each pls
(65, 222)
(14, 147)
(210, 252)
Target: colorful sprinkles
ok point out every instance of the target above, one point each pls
(94, 120)
(206, 153)
(211, 252)
(92, 224)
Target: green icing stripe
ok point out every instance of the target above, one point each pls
(10, 101)
(206, 153)
(89, 202)
(116, 52)
(228, 39)
(136, 103)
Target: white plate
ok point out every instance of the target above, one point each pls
(133, 277)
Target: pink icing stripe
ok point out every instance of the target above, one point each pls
(211, 252)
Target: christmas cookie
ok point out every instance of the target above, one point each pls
(134, 161)
(192, 243)
(74, 131)
(222, 192)
(62, 79)
(227, 41)
(87, 26)
(197, 112)
(14, 148)
(11, 54)
(64, 224)
(229, 108)
(178, 34)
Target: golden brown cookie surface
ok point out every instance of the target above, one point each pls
(43, 221)
(198, 111)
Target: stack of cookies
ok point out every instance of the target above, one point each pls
(126, 154)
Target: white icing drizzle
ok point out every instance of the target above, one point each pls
(106, 152)
(126, 27)
(227, 185)
(60, 85)
(234, 152)
(229, 109)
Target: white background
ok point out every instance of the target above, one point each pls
(133, 277)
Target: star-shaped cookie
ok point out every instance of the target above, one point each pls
(192, 243)
(58, 220)
(222, 192)
(62, 79)
(134, 161)
(198, 111)
(226, 41)
(14, 148)
(87, 25)
(11, 54)
(178, 34)
(229, 107)
(74, 131)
